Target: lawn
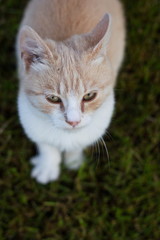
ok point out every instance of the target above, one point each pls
(115, 199)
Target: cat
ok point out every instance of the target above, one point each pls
(69, 54)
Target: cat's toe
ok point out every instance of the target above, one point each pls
(45, 176)
(44, 171)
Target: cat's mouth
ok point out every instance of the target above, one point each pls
(71, 128)
(74, 128)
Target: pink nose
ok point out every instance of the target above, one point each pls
(73, 124)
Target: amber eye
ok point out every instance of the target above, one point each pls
(89, 96)
(53, 99)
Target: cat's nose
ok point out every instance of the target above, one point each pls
(73, 124)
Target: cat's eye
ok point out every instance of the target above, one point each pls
(89, 96)
(53, 99)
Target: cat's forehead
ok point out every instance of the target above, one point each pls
(66, 74)
(71, 73)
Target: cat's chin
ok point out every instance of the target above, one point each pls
(72, 129)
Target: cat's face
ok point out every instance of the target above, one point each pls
(63, 81)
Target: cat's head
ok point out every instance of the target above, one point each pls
(67, 80)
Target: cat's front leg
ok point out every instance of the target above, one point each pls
(46, 164)
(74, 159)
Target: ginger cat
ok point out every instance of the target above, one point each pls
(69, 53)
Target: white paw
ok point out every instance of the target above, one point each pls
(45, 170)
(74, 160)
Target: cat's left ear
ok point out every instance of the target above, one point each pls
(33, 50)
(97, 40)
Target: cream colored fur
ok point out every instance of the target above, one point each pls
(67, 49)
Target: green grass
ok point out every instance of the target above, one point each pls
(115, 201)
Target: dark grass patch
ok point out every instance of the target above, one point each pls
(119, 200)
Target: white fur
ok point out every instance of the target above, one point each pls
(52, 140)
(74, 159)
(37, 66)
(46, 164)
(41, 128)
(98, 60)
(72, 110)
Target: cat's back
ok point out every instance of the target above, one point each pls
(60, 19)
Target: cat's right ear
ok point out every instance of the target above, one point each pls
(97, 40)
(34, 52)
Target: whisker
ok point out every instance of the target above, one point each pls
(98, 148)
(95, 148)
(92, 149)
(108, 135)
(104, 144)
